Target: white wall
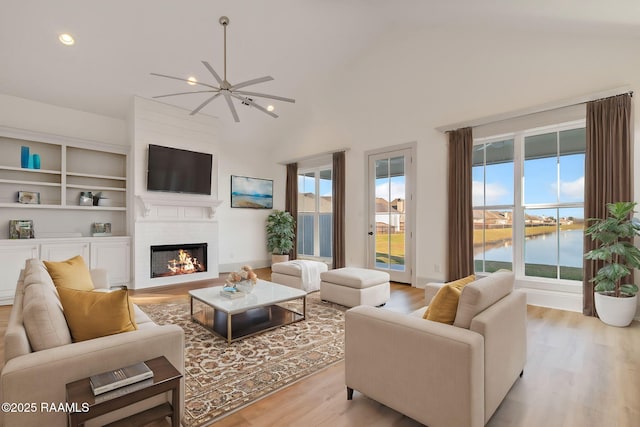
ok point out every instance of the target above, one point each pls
(409, 83)
(36, 116)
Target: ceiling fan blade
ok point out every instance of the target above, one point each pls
(252, 82)
(212, 71)
(264, 95)
(184, 80)
(185, 93)
(253, 104)
(227, 96)
(204, 104)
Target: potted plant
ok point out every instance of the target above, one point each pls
(280, 235)
(615, 300)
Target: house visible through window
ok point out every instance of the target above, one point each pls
(315, 213)
(528, 197)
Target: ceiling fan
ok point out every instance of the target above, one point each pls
(226, 89)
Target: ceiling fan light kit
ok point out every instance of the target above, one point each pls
(226, 89)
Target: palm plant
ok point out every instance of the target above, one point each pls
(280, 232)
(615, 234)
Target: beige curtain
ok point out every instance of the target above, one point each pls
(460, 224)
(608, 171)
(291, 202)
(338, 209)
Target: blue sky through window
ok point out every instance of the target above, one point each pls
(540, 183)
(307, 184)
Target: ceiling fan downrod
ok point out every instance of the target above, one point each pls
(224, 21)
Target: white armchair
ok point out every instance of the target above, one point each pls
(441, 375)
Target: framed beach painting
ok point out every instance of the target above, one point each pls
(252, 193)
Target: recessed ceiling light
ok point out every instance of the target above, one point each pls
(192, 81)
(66, 39)
(270, 108)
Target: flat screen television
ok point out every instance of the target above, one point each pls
(178, 171)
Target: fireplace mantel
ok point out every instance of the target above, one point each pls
(148, 202)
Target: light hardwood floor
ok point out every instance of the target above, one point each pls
(579, 372)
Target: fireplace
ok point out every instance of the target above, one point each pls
(173, 260)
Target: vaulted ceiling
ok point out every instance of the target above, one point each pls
(298, 42)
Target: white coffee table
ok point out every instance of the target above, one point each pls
(267, 307)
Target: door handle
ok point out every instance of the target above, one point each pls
(370, 233)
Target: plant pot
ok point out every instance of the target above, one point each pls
(616, 311)
(279, 258)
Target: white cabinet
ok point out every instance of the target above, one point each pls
(64, 250)
(111, 253)
(12, 260)
(114, 255)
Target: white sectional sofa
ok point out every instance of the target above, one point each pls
(31, 376)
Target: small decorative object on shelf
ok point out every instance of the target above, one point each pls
(96, 198)
(86, 198)
(100, 200)
(21, 229)
(24, 157)
(29, 197)
(243, 280)
(36, 161)
(100, 229)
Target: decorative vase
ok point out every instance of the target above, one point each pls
(616, 311)
(245, 286)
(36, 161)
(24, 157)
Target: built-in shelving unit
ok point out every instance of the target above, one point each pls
(66, 172)
(69, 166)
(63, 228)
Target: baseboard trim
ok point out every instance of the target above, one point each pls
(227, 268)
(551, 299)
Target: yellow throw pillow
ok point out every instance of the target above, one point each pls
(97, 314)
(72, 273)
(444, 304)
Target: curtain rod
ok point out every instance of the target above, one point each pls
(537, 109)
(312, 156)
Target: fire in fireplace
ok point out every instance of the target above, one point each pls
(171, 260)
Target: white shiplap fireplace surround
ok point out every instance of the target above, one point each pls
(160, 218)
(171, 219)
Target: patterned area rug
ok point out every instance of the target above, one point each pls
(221, 378)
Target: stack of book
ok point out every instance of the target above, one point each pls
(107, 381)
(231, 292)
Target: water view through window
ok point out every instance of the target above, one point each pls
(550, 217)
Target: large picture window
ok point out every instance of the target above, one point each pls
(315, 213)
(528, 196)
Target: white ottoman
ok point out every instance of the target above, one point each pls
(300, 273)
(352, 286)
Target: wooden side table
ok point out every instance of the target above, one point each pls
(165, 378)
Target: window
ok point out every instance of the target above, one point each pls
(315, 213)
(493, 195)
(528, 198)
